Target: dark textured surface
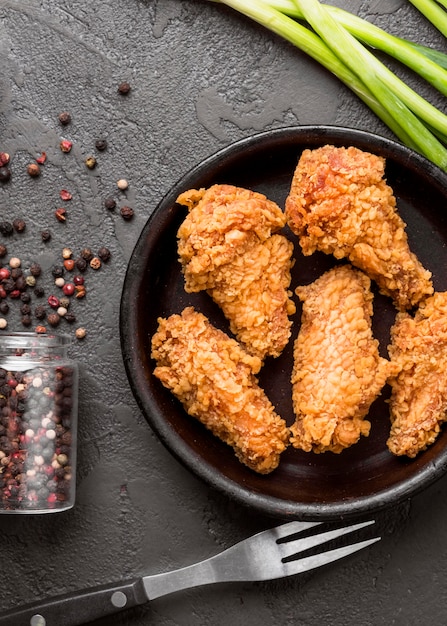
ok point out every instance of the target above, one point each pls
(201, 77)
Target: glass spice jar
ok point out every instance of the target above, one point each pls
(38, 423)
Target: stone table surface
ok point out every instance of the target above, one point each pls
(201, 77)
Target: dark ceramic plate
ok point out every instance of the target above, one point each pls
(362, 479)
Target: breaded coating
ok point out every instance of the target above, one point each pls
(339, 203)
(337, 370)
(227, 247)
(418, 403)
(214, 379)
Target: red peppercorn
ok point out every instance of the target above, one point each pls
(4, 273)
(66, 145)
(61, 214)
(69, 264)
(65, 194)
(68, 289)
(53, 301)
(42, 158)
(78, 280)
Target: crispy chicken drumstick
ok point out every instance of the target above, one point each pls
(337, 370)
(340, 204)
(418, 403)
(214, 378)
(227, 247)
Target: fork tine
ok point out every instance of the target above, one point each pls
(293, 547)
(292, 528)
(323, 558)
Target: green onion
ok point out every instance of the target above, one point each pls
(433, 12)
(415, 121)
(428, 63)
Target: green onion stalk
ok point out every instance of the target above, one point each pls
(336, 40)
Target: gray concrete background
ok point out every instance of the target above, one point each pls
(201, 77)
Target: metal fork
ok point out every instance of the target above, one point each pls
(268, 555)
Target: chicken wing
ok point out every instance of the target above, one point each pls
(339, 203)
(418, 403)
(337, 370)
(227, 247)
(214, 378)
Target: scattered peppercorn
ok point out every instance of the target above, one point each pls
(80, 333)
(80, 291)
(123, 88)
(104, 254)
(26, 320)
(122, 184)
(45, 235)
(65, 195)
(64, 302)
(33, 170)
(40, 312)
(68, 289)
(53, 319)
(19, 225)
(14, 263)
(110, 203)
(41, 330)
(64, 118)
(57, 271)
(5, 174)
(86, 254)
(101, 145)
(61, 214)
(95, 263)
(70, 318)
(69, 264)
(42, 158)
(25, 297)
(35, 269)
(30, 281)
(81, 264)
(90, 162)
(4, 159)
(6, 229)
(3, 323)
(78, 280)
(127, 212)
(3, 251)
(39, 291)
(4, 307)
(66, 145)
(53, 301)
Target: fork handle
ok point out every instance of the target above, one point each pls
(80, 607)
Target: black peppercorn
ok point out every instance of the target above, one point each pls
(86, 254)
(70, 317)
(6, 229)
(3, 251)
(25, 297)
(64, 118)
(25, 309)
(123, 88)
(46, 235)
(40, 312)
(4, 307)
(101, 145)
(110, 203)
(39, 291)
(26, 320)
(104, 254)
(126, 212)
(19, 225)
(5, 174)
(35, 269)
(81, 264)
(57, 271)
(54, 319)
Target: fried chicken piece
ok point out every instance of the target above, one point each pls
(214, 379)
(418, 403)
(227, 247)
(337, 370)
(339, 203)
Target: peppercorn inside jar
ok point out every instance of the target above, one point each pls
(38, 423)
